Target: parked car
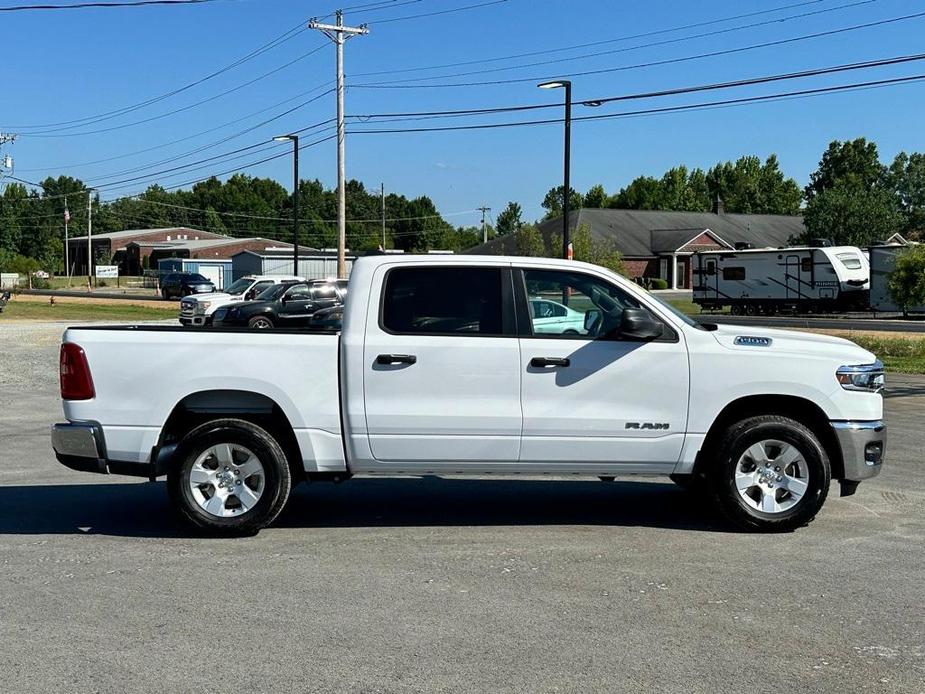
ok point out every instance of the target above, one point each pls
(552, 318)
(179, 284)
(286, 305)
(198, 309)
(4, 299)
(439, 368)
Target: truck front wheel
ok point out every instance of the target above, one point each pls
(771, 474)
(231, 477)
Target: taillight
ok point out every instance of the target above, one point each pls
(76, 381)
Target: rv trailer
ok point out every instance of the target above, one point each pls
(882, 262)
(803, 279)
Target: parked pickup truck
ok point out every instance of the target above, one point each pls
(439, 368)
(198, 310)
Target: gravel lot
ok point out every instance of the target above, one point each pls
(448, 584)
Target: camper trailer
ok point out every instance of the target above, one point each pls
(882, 261)
(804, 279)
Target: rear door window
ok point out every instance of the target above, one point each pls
(443, 301)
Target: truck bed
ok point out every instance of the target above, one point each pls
(141, 373)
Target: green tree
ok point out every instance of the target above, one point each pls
(554, 201)
(907, 280)
(854, 162)
(906, 176)
(643, 193)
(596, 197)
(510, 219)
(849, 214)
(588, 249)
(529, 242)
(750, 187)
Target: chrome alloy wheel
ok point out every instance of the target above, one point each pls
(227, 480)
(772, 476)
(261, 324)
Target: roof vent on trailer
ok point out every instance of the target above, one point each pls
(743, 246)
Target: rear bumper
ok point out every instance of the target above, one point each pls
(81, 446)
(862, 446)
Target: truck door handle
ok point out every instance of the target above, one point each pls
(543, 362)
(387, 359)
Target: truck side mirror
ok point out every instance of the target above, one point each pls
(638, 324)
(248, 296)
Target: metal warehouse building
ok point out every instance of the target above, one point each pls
(313, 263)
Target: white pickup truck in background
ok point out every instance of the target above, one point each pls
(449, 365)
(197, 309)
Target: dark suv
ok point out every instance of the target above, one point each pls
(180, 284)
(288, 305)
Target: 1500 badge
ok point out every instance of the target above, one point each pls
(648, 425)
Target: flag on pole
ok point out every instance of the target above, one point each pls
(67, 216)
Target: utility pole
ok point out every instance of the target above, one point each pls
(484, 228)
(382, 193)
(338, 33)
(89, 238)
(67, 256)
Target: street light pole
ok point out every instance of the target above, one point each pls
(566, 186)
(295, 198)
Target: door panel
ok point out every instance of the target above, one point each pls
(442, 368)
(599, 399)
(619, 402)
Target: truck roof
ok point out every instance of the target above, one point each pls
(431, 259)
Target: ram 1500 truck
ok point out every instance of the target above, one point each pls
(443, 365)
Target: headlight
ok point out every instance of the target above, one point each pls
(201, 306)
(864, 377)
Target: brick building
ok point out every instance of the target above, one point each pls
(112, 248)
(657, 244)
(134, 250)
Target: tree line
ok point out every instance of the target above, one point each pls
(32, 220)
(852, 197)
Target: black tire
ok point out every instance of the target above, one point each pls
(260, 323)
(165, 295)
(276, 484)
(721, 475)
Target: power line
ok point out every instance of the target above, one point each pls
(846, 67)
(439, 12)
(89, 120)
(182, 139)
(571, 47)
(654, 44)
(58, 131)
(123, 4)
(668, 109)
(654, 63)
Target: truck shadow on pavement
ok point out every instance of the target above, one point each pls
(142, 510)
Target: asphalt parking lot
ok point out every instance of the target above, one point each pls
(454, 584)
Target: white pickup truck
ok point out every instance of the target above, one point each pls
(439, 368)
(198, 309)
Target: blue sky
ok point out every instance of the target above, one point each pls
(68, 65)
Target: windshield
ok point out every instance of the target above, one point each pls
(683, 316)
(272, 293)
(239, 287)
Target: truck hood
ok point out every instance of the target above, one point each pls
(213, 296)
(791, 341)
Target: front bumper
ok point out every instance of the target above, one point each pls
(81, 446)
(862, 446)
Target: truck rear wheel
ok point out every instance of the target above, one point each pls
(771, 474)
(231, 477)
